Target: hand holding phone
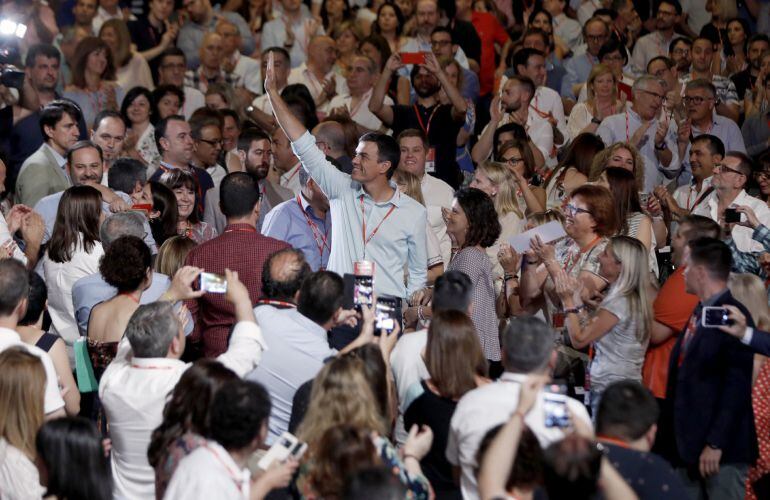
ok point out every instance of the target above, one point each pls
(413, 57)
(712, 316)
(555, 407)
(732, 216)
(287, 446)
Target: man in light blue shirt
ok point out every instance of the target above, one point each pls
(641, 126)
(304, 222)
(375, 221)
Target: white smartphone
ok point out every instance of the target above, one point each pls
(715, 316)
(213, 283)
(287, 446)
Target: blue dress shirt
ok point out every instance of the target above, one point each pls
(295, 222)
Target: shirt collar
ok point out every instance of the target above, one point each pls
(513, 377)
(712, 300)
(154, 363)
(11, 334)
(60, 160)
(238, 226)
(291, 172)
(706, 183)
(394, 200)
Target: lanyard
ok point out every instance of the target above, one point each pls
(316, 232)
(277, 303)
(293, 174)
(610, 440)
(130, 296)
(363, 99)
(430, 119)
(574, 259)
(241, 230)
(235, 476)
(363, 226)
(537, 110)
(628, 136)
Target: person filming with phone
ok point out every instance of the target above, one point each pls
(709, 383)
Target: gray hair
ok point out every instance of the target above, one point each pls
(527, 345)
(642, 82)
(332, 134)
(151, 329)
(303, 176)
(121, 224)
(701, 83)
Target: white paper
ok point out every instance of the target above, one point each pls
(548, 232)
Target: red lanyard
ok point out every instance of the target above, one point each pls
(235, 477)
(277, 303)
(241, 230)
(534, 107)
(293, 174)
(430, 119)
(616, 442)
(628, 136)
(130, 296)
(363, 226)
(316, 232)
(571, 261)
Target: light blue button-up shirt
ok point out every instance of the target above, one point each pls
(291, 221)
(398, 243)
(727, 131)
(621, 127)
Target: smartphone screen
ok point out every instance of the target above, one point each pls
(384, 314)
(413, 57)
(715, 316)
(363, 291)
(213, 283)
(555, 407)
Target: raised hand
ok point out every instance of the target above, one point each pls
(637, 136)
(182, 284)
(394, 63)
(495, 110)
(270, 82)
(752, 220)
(508, 258)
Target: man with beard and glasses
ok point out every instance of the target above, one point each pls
(656, 43)
(437, 121)
(254, 150)
(758, 44)
(680, 51)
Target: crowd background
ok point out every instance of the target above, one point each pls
(287, 144)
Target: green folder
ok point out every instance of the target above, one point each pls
(83, 368)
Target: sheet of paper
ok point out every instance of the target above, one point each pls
(548, 232)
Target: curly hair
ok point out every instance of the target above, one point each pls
(341, 451)
(125, 263)
(483, 224)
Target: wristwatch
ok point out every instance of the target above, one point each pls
(596, 120)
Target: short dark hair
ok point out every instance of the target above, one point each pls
(758, 37)
(682, 39)
(443, 29)
(232, 114)
(376, 483)
(527, 344)
(699, 226)
(483, 223)
(320, 296)
(517, 130)
(162, 90)
(87, 144)
(627, 410)
(41, 49)
(524, 81)
(249, 135)
(107, 113)
(745, 165)
(665, 60)
(133, 95)
(277, 50)
(527, 469)
(714, 255)
(537, 31)
(675, 4)
(125, 263)
(387, 149)
(522, 57)
(571, 467)
(54, 111)
(38, 294)
(238, 194)
(714, 143)
(160, 129)
(292, 276)
(613, 45)
(125, 173)
(171, 51)
(14, 285)
(239, 410)
(452, 291)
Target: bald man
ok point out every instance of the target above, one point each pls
(210, 70)
(317, 73)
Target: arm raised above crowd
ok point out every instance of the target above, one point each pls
(377, 102)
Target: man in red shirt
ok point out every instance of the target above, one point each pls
(490, 32)
(239, 248)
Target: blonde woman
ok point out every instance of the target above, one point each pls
(172, 254)
(602, 102)
(347, 35)
(620, 328)
(620, 154)
(749, 290)
(496, 180)
(131, 68)
(409, 184)
(22, 387)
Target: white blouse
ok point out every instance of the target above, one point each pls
(19, 479)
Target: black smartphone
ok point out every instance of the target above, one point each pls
(385, 314)
(715, 316)
(732, 215)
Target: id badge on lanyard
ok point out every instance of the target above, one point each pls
(430, 161)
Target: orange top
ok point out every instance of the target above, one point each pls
(672, 307)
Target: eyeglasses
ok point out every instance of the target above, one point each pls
(661, 97)
(697, 100)
(572, 210)
(513, 161)
(213, 143)
(721, 167)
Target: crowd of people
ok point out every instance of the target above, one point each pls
(478, 249)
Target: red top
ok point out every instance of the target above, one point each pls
(490, 31)
(672, 307)
(239, 248)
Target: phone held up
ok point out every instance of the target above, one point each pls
(212, 283)
(715, 316)
(555, 406)
(286, 447)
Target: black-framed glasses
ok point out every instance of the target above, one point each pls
(212, 142)
(724, 168)
(653, 94)
(513, 160)
(697, 100)
(572, 210)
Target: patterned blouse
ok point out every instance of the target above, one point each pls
(199, 232)
(176, 451)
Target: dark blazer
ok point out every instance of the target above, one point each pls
(711, 393)
(760, 342)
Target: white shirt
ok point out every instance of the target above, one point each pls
(249, 72)
(437, 195)
(134, 391)
(102, 16)
(741, 234)
(193, 99)
(217, 173)
(686, 196)
(301, 74)
(546, 101)
(135, 73)
(486, 407)
(59, 278)
(298, 349)
(6, 235)
(290, 179)
(568, 30)
(19, 478)
(361, 114)
(408, 367)
(53, 398)
(209, 472)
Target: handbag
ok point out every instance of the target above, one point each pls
(84, 370)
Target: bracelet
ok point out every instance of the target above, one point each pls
(420, 316)
(509, 276)
(575, 310)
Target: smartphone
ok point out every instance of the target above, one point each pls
(715, 316)
(413, 57)
(363, 284)
(213, 283)
(385, 314)
(287, 446)
(644, 199)
(732, 215)
(142, 207)
(555, 406)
